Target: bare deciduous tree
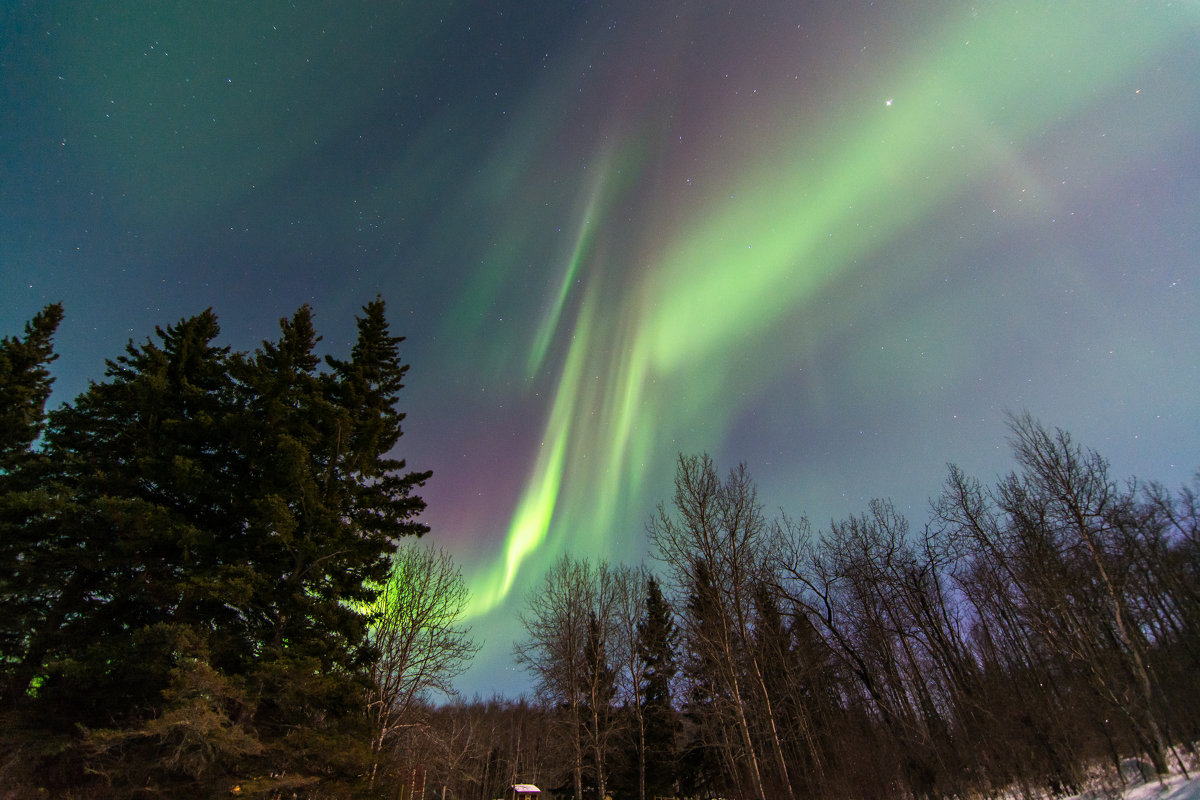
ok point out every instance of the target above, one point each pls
(556, 621)
(716, 546)
(629, 607)
(421, 642)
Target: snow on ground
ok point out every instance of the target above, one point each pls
(1174, 787)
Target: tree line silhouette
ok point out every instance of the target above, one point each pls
(1029, 634)
(204, 589)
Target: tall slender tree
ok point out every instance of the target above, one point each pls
(600, 683)
(555, 621)
(716, 545)
(25, 384)
(657, 639)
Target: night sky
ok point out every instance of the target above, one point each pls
(833, 240)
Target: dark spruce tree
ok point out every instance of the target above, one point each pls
(25, 384)
(212, 531)
(657, 639)
(124, 528)
(708, 763)
(331, 506)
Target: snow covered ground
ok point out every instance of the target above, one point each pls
(1175, 787)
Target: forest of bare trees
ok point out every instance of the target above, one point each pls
(1031, 635)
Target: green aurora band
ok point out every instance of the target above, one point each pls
(644, 364)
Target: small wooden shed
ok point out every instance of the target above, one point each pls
(523, 791)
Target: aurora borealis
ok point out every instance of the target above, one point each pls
(836, 241)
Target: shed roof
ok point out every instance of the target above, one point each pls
(525, 788)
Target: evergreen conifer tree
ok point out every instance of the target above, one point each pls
(25, 384)
(656, 642)
(193, 586)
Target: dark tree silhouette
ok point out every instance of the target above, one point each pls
(210, 526)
